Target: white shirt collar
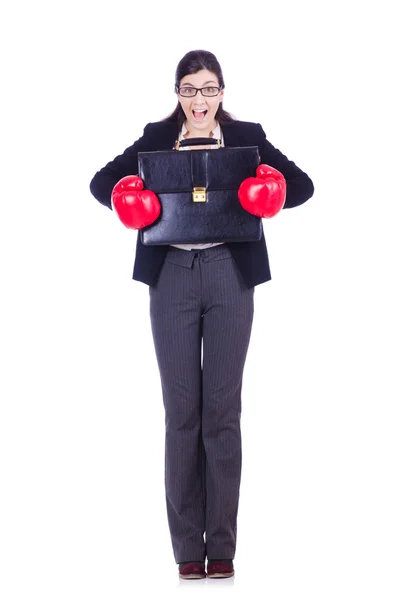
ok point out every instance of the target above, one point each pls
(217, 133)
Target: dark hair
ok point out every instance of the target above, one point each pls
(192, 62)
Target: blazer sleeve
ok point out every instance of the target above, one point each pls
(299, 185)
(105, 179)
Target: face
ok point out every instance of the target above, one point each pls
(200, 110)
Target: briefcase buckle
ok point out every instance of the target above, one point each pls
(199, 194)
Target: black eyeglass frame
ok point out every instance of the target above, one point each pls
(178, 90)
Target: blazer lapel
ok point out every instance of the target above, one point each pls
(166, 137)
(231, 135)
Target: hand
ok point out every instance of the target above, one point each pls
(263, 195)
(135, 207)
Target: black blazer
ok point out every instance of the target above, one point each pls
(251, 257)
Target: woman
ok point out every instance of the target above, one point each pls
(201, 310)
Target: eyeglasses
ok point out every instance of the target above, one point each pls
(190, 92)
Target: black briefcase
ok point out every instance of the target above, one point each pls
(197, 190)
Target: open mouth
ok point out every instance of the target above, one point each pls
(199, 115)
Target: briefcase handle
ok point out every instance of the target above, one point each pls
(199, 141)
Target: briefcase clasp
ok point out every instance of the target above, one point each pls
(199, 194)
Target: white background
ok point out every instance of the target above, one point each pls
(82, 504)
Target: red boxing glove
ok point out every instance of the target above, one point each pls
(263, 195)
(135, 207)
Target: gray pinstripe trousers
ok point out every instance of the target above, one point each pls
(201, 316)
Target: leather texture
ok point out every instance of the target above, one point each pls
(204, 141)
(173, 175)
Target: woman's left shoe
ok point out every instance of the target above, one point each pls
(220, 568)
(192, 570)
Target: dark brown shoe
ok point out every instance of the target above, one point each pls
(220, 568)
(192, 570)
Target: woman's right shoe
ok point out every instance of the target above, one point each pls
(192, 570)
